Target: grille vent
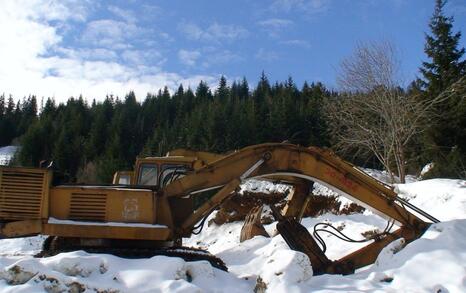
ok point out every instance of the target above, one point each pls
(21, 193)
(88, 207)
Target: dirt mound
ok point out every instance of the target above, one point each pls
(238, 206)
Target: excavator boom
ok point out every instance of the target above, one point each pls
(286, 162)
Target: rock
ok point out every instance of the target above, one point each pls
(18, 274)
(76, 287)
(386, 255)
(200, 269)
(53, 285)
(260, 287)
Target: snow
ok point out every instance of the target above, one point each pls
(384, 177)
(426, 169)
(21, 246)
(263, 186)
(433, 263)
(445, 199)
(107, 273)
(112, 224)
(7, 153)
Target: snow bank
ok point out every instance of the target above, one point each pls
(7, 153)
(432, 263)
(262, 186)
(384, 177)
(83, 272)
(21, 246)
(445, 199)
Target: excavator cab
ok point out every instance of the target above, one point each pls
(122, 178)
(160, 171)
(155, 171)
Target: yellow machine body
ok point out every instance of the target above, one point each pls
(155, 200)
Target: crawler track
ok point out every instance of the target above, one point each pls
(55, 245)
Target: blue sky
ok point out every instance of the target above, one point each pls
(66, 48)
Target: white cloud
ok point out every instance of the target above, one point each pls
(274, 26)
(306, 6)
(124, 14)
(221, 57)
(266, 55)
(276, 23)
(47, 10)
(296, 42)
(89, 53)
(140, 57)
(191, 31)
(207, 57)
(188, 57)
(34, 59)
(151, 11)
(110, 33)
(215, 32)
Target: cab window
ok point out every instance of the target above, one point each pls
(171, 172)
(124, 179)
(148, 174)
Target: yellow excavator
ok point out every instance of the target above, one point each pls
(153, 207)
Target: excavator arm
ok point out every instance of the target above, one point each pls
(287, 162)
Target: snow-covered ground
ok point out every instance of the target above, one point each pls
(434, 263)
(384, 177)
(7, 153)
(263, 186)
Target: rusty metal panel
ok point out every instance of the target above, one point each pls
(88, 206)
(21, 228)
(112, 232)
(23, 193)
(102, 204)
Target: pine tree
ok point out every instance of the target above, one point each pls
(222, 91)
(444, 69)
(442, 48)
(95, 144)
(10, 106)
(2, 105)
(203, 93)
(28, 114)
(449, 135)
(262, 97)
(8, 127)
(244, 89)
(2, 119)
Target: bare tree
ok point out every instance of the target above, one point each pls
(373, 115)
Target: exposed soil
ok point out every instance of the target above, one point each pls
(238, 206)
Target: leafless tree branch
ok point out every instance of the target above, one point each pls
(374, 115)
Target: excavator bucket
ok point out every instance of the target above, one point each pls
(298, 238)
(252, 225)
